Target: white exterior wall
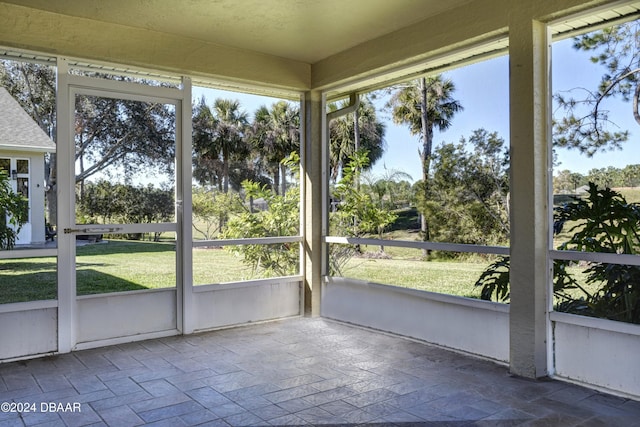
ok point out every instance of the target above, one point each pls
(36, 225)
(126, 316)
(223, 305)
(37, 196)
(473, 326)
(28, 329)
(597, 352)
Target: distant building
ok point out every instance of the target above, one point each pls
(22, 147)
(582, 190)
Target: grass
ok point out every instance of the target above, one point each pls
(119, 265)
(454, 278)
(116, 266)
(125, 265)
(631, 194)
(111, 266)
(218, 265)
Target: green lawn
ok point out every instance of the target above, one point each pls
(218, 265)
(115, 266)
(118, 265)
(110, 266)
(631, 194)
(454, 278)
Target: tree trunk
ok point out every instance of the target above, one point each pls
(427, 140)
(283, 179)
(636, 95)
(225, 184)
(276, 179)
(82, 180)
(356, 143)
(51, 191)
(225, 170)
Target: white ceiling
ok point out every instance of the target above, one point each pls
(302, 30)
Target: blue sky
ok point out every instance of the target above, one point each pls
(483, 90)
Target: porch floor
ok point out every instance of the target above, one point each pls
(301, 371)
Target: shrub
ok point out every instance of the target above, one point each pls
(14, 212)
(602, 222)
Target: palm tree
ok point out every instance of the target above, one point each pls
(275, 134)
(385, 186)
(230, 126)
(207, 167)
(346, 138)
(424, 105)
(218, 138)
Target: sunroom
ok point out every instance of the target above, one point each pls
(135, 57)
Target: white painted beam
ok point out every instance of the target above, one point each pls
(530, 272)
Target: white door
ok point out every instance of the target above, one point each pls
(120, 271)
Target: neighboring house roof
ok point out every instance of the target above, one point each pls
(18, 131)
(582, 190)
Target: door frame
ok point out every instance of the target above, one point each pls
(70, 85)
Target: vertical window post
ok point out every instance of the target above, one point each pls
(530, 145)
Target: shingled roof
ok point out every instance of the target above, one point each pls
(18, 131)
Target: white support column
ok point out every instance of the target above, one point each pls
(65, 148)
(312, 115)
(530, 208)
(186, 315)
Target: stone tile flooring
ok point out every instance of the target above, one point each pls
(298, 371)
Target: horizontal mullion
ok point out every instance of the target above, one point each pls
(121, 228)
(436, 246)
(607, 258)
(248, 241)
(130, 91)
(247, 283)
(28, 253)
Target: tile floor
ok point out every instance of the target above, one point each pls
(301, 371)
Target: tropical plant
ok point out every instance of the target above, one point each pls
(602, 222)
(275, 134)
(280, 218)
(424, 105)
(209, 205)
(218, 140)
(207, 165)
(390, 189)
(350, 133)
(356, 213)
